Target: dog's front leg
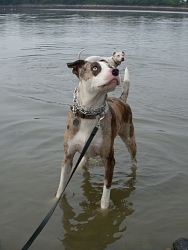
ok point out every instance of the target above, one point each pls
(65, 173)
(109, 169)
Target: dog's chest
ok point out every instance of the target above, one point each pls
(78, 141)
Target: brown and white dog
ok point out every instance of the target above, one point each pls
(91, 103)
(115, 60)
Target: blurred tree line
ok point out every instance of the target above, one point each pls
(99, 2)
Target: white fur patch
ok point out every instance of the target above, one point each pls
(78, 141)
(105, 197)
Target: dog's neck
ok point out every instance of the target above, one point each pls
(89, 98)
(117, 63)
(89, 104)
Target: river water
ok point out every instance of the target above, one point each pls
(148, 208)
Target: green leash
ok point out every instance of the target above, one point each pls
(48, 216)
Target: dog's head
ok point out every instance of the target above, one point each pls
(96, 75)
(118, 56)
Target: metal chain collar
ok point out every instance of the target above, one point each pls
(91, 111)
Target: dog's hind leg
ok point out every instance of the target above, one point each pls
(105, 197)
(83, 162)
(132, 148)
(109, 168)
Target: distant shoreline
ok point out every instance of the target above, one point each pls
(99, 7)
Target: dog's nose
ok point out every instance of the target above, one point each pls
(115, 72)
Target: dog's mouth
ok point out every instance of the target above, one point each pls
(112, 83)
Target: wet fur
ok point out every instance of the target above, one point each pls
(117, 121)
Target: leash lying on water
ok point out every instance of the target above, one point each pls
(48, 216)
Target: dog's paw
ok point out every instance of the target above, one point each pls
(104, 204)
(134, 165)
(57, 195)
(105, 200)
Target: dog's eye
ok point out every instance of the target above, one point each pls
(95, 68)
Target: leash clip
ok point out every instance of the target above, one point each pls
(99, 120)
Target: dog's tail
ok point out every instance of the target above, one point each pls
(126, 84)
(79, 54)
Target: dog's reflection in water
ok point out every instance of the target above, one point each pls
(92, 228)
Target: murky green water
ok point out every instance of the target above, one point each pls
(148, 209)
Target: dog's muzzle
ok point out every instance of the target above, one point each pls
(115, 72)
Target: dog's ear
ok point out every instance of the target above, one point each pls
(113, 53)
(75, 66)
(123, 52)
